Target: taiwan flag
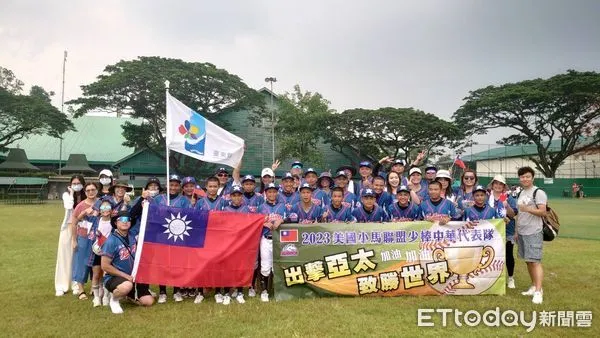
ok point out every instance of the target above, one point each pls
(192, 248)
(459, 162)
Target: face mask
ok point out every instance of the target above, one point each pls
(77, 187)
(105, 181)
(153, 193)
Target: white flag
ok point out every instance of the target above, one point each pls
(191, 134)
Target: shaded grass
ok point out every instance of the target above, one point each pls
(28, 253)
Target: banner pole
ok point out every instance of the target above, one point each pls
(166, 138)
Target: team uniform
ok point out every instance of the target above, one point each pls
(179, 201)
(350, 199)
(321, 197)
(476, 213)
(384, 199)
(253, 200)
(443, 207)
(376, 215)
(289, 199)
(410, 212)
(122, 252)
(210, 204)
(241, 208)
(341, 214)
(313, 214)
(275, 212)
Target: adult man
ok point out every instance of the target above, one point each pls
(532, 207)
(296, 168)
(430, 171)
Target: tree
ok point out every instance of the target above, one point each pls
(24, 115)
(300, 123)
(564, 108)
(136, 88)
(390, 132)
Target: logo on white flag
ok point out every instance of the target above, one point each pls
(194, 132)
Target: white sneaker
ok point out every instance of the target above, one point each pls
(96, 302)
(529, 292)
(218, 298)
(178, 297)
(115, 306)
(199, 299)
(59, 294)
(106, 298)
(234, 294)
(251, 292)
(226, 300)
(75, 288)
(538, 297)
(240, 298)
(264, 296)
(511, 283)
(162, 298)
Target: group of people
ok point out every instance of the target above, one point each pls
(101, 224)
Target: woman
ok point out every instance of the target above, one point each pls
(464, 193)
(64, 257)
(266, 176)
(323, 191)
(101, 228)
(393, 182)
(500, 199)
(117, 196)
(416, 185)
(106, 180)
(444, 177)
(80, 241)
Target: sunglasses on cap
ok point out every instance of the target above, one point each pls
(123, 219)
(105, 207)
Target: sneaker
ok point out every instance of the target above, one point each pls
(162, 298)
(511, 283)
(115, 306)
(218, 298)
(240, 298)
(178, 297)
(538, 297)
(75, 288)
(264, 296)
(199, 299)
(184, 293)
(226, 300)
(251, 292)
(234, 294)
(529, 292)
(106, 298)
(59, 294)
(96, 302)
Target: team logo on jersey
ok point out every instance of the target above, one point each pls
(194, 132)
(177, 227)
(289, 250)
(124, 254)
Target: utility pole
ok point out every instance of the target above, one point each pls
(62, 110)
(271, 80)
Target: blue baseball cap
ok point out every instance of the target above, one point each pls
(305, 186)
(287, 176)
(340, 174)
(367, 192)
(188, 179)
(248, 178)
(174, 177)
(271, 186)
(236, 189)
(297, 164)
(222, 170)
(365, 164)
(480, 188)
(310, 170)
(402, 188)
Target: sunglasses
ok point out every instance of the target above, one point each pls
(469, 178)
(105, 207)
(222, 175)
(123, 219)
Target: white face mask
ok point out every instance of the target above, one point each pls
(153, 193)
(77, 187)
(105, 181)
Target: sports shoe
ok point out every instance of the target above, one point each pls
(538, 297)
(226, 300)
(199, 299)
(178, 297)
(184, 293)
(96, 302)
(59, 294)
(75, 288)
(251, 292)
(218, 298)
(234, 294)
(264, 296)
(240, 298)
(106, 297)
(511, 283)
(529, 292)
(115, 306)
(162, 298)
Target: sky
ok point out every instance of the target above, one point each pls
(358, 54)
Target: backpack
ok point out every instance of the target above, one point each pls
(551, 224)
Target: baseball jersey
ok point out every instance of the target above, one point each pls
(289, 199)
(208, 204)
(178, 202)
(398, 213)
(275, 212)
(313, 214)
(341, 214)
(253, 200)
(121, 251)
(350, 199)
(376, 215)
(442, 207)
(242, 208)
(321, 197)
(476, 213)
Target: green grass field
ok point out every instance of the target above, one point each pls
(29, 307)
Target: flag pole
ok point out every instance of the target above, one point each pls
(166, 139)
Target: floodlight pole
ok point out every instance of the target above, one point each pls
(271, 80)
(62, 110)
